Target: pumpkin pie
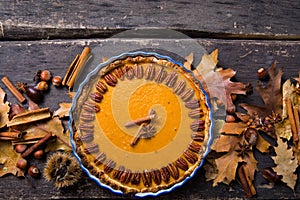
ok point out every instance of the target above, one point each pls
(140, 124)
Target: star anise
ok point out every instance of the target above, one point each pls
(243, 149)
(148, 131)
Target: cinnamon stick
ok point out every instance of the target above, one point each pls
(140, 120)
(37, 145)
(12, 134)
(137, 135)
(81, 61)
(292, 119)
(30, 116)
(297, 121)
(246, 182)
(70, 69)
(13, 89)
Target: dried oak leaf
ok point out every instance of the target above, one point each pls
(218, 82)
(286, 164)
(227, 164)
(8, 160)
(270, 94)
(63, 139)
(63, 110)
(4, 109)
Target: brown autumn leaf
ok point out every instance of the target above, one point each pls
(227, 166)
(63, 110)
(4, 109)
(226, 143)
(63, 139)
(8, 160)
(286, 164)
(270, 94)
(234, 128)
(262, 145)
(218, 82)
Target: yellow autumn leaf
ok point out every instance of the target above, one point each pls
(227, 165)
(262, 145)
(283, 129)
(234, 128)
(8, 159)
(63, 111)
(286, 164)
(63, 139)
(4, 109)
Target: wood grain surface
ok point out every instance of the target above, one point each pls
(48, 19)
(21, 59)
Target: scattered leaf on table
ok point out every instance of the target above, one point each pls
(218, 83)
(283, 129)
(234, 128)
(286, 164)
(226, 143)
(63, 110)
(271, 95)
(287, 93)
(210, 168)
(4, 109)
(262, 145)
(8, 160)
(63, 139)
(32, 106)
(227, 165)
(71, 94)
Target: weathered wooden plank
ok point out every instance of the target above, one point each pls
(86, 19)
(20, 60)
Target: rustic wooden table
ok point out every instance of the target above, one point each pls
(47, 34)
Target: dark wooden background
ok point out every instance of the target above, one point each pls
(47, 34)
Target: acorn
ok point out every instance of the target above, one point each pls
(262, 74)
(251, 135)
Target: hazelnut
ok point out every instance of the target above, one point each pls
(230, 118)
(42, 86)
(20, 148)
(21, 163)
(33, 171)
(56, 81)
(38, 153)
(262, 73)
(45, 75)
